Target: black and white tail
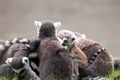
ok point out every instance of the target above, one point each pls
(96, 54)
(8, 43)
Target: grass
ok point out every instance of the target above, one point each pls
(111, 77)
(114, 75)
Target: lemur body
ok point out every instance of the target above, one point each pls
(79, 58)
(100, 62)
(53, 63)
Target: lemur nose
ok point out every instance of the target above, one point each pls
(65, 41)
(63, 44)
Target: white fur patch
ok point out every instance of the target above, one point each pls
(2, 47)
(57, 25)
(83, 36)
(34, 66)
(14, 40)
(9, 61)
(23, 40)
(99, 50)
(80, 35)
(7, 43)
(33, 55)
(96, 53)
(18, 70)
(38, 25)
(25, 60)
(27, 45)
(103, 49)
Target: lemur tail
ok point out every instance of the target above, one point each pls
(8, 43)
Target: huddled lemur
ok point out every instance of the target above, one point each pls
(5, 46)
(55, 61)
(100, 61)
(78, 56)
(15, 53)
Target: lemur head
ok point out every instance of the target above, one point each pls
(47, 28)
(18, 63)
(17, 57)
(68, 42)
(69, 36)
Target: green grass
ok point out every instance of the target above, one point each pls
(111, 77)
(115, 74)
(7, 79)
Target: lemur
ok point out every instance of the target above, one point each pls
(6, 44)
(100, 62)
(22, 68)
(79, 57)
(16, 53)
(52, 63)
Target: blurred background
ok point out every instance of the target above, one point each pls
(98, 19)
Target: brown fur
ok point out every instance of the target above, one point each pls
(81, 57)
(103, 63)
(16, 49)
(54, 60)
(52, 64)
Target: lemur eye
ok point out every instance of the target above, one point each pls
(26, 61)
(73, 39)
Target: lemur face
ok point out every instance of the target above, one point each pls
(68, 36)
(68, 42)
(47, 28)
(17, 56)
(18, 63)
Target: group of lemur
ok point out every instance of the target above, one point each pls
(55, 55)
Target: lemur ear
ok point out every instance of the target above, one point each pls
(38, 25)
(57, 24)
(9, 61)
(83, 36)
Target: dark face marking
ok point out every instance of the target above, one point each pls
(17, 63)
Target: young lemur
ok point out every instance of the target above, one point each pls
(78, 56)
